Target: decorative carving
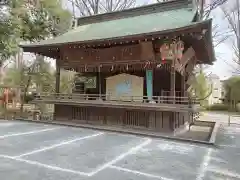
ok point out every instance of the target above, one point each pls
(101, 56)
(147, 52)
(172, 50)
(115, 55)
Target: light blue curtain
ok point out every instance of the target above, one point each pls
(149, 79)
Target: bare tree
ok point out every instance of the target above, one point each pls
(205, 10)
(232, 14)
(91, 7)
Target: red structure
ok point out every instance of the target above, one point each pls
(7, 96)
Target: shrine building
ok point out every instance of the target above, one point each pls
(134, 66)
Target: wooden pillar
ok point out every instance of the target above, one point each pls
(57, 85)
(99, 82)
(173, 83)
(183, 84)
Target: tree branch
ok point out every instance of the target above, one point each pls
(91, 7)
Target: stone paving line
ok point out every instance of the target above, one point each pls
(29, 132)
(44, 165)
(109, 164)
(121, 156)
(120, 130)
(203, 167)
(58, 145)
(138, 172)
(97, 170)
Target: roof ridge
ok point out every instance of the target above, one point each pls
(137, 11)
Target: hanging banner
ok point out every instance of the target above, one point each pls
(190, 80)
(187, 56)
(190, 66)
(172, 50)
(177, 65)
(189, 89)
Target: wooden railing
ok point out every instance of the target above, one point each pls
(109, 98)
(168, 93)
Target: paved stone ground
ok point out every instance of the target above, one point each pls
(220, 117)
(48, 152)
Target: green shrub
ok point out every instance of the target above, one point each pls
(218, 107)
(28, 98)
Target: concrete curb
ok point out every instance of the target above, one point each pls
(124, 131)
(214, 133)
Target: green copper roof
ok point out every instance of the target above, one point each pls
(147, 23)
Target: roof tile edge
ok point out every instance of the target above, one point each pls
(147, 9)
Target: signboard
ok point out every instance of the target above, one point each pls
(124, 87)
(91, 82)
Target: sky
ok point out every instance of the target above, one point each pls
(223, 66)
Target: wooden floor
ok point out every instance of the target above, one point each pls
(122, 104)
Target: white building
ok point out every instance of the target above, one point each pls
(216, 95)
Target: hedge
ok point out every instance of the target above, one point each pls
(218, 107)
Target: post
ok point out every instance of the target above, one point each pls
(238, 29)
(149, 83)
(173, 79)
(57, 85)
(230, 105)
(229, 119)
(183, 85)
(99, 83)
(183, 88)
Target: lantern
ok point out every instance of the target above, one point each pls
(179, 49)
(166, 53)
